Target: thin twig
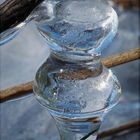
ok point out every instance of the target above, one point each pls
(120, 129)
(16, 92)
(128, 3)
(122, 58)
(89, 134)
(24, 89)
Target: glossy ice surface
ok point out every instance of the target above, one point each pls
(85, 26)
(73, 97)
(77, 103)
(72, 83)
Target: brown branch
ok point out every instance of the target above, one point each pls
(128, 3)
(24, 89)
(13, 12)
(16, 92)
(129, 127)
(120, 129)
(122, 58)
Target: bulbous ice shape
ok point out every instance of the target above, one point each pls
(84, 26)
(77, 95)
(76, 89)
(73, 85)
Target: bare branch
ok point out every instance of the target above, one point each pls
(120, 129)
(13, 12)
(128, 3)
(25, 89)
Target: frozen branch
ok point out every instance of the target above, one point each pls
(25, 89)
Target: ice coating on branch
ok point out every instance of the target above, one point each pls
(57, 90)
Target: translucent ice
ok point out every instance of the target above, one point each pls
(79, 25)
(60, 93)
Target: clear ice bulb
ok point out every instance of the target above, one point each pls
(72, 83)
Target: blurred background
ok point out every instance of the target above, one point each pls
(25, 119)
